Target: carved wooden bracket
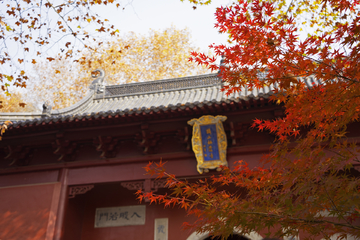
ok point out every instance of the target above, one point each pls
(147, 140)
(237, 133)
(64, 148)
(156, 184)
(73, 191)
(184, 135)
(106, 145)
(134, 185)
(19, 155)
(147, 185)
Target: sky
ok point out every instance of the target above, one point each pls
(141, 15)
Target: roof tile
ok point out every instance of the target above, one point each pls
(145, 97)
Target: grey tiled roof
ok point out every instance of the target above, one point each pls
(143, 98)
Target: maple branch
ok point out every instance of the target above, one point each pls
(349, 79)
(285, 77)
(64, 36)
(287, 11)
(71, 30)
(20, 15)
(300, 219)
(183, 183)
(332, 202)
(66, 4)
(341, 155)
(338, 74)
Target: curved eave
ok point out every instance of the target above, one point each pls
(19, 118)
(141, 114)
(76, 108)
(173, 97)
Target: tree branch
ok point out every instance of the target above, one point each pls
(300, 220)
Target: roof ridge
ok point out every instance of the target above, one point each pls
(164, 85)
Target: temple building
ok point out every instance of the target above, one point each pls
(72, 174)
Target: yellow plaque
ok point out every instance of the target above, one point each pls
(209, 142)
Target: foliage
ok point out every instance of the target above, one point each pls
(14, 103)
(31, 30)
(308, 175)
(60, 88)
(199, 2)
(134, 58)
(131, 58)
(35, 28)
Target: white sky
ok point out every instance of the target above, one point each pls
(141, 15)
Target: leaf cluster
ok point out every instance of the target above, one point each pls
(30, 30)
(308, 183)
(129, 58)
(264, 199)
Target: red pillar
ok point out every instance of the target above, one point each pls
(57, 209)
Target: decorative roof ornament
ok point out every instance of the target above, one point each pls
(222, 64)
(98, 84)
(46, 110)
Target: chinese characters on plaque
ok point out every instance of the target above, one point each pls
(209, 142)
(120, 216)
(161, 229)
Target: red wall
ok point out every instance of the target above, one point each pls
(24, 212)
(80, 216)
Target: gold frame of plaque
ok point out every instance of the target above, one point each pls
(209, 142)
